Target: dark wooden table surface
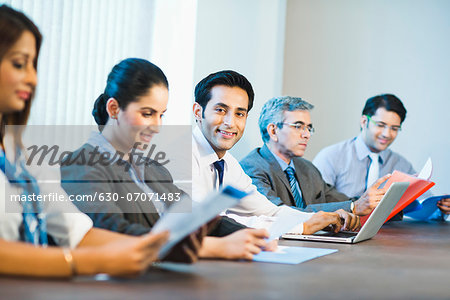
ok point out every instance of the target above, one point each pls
(405, 260)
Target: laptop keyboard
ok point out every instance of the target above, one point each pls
(342, 234)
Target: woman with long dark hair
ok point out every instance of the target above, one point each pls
(44, 238)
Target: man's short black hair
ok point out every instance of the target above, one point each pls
(387, 101)
(226, 78)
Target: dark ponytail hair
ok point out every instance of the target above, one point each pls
(128, 80)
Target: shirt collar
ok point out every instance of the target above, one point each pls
(207, 154)
(97, 139)
(362, 151)
(281, 162)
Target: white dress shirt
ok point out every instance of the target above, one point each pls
(65, 223)
(254, 210)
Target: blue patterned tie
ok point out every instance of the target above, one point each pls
(290, 174)
(220, 166)
(34, 220)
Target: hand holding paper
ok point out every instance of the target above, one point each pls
(370, 199)
(444, 204)
(416, 188)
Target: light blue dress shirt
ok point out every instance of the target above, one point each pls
(345, 165)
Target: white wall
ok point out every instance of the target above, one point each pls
(339, 53)
(248, 37)
(173, 44)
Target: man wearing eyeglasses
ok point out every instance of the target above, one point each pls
(222, 102)
(278, 170)
(353, 165)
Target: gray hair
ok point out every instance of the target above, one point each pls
(272, 112)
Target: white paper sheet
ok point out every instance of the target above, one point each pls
(291, 255)
(427, 170)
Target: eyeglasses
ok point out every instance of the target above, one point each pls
(382, 125)
(301, 127)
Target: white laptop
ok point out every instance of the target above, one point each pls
(370, 228)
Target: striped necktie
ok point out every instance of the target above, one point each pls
(34, 219)
(293, 183)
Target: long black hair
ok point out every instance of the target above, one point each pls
(13, 24)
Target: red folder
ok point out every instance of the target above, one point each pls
(416, 188)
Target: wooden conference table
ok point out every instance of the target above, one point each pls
(405, 260)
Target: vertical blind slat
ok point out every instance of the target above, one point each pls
(83, 39)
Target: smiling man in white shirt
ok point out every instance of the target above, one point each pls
(352, 165)
(222, 103)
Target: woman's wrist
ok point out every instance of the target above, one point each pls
(68, 257)
(86, 261)
(210, 247)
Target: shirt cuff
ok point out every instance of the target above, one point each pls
(298, 229)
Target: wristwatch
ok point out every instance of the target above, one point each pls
(352, 207)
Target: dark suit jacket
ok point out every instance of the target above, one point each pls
(78, 177)
(271, 181)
